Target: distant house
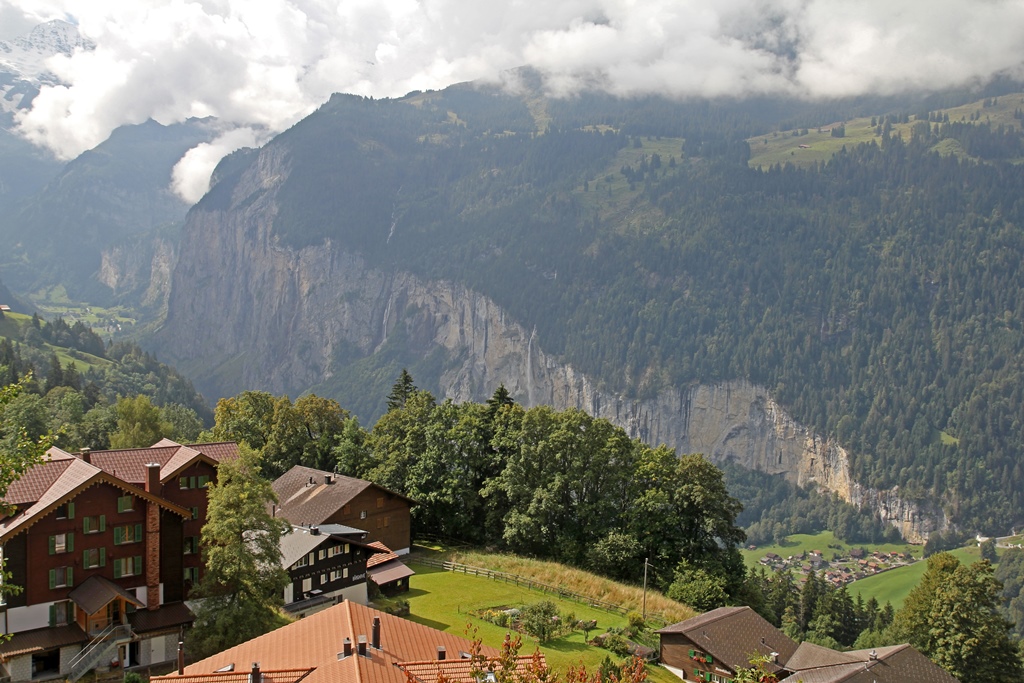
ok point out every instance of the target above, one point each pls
(105, 545)
(326, 565)
(310, 497)
(895, 664)
(347, 643)
(714, 645)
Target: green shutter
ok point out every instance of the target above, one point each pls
(707, 659)
(70, 540)
(70, 578)
(204, 480)
(182, 482)
(86, 524)
(138, 533)
(138, 565)
(120, 503)
(191, 482)
(53, 578)
(53, 615)
(707, 676)
(117, 568)
(691, 654)
(53, 544)
(71, 510)
(118, 535)
(103, 522)
(103, 557)
(85, 559)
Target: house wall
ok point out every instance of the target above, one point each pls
(20, 668)
(157, 649)
(675, 651)
(190, 498)
(354, 561)
(66, 655)
(97, 500)
(29, 617)
(383, 515)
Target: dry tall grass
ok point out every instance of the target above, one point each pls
(578, 581)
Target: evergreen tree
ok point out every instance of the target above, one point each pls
(402, 390)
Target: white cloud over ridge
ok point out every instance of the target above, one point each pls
(264, 65)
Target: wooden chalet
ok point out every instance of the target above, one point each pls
(105, 546)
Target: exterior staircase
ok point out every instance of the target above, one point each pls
(102, 648)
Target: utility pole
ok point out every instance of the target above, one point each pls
(645, 590)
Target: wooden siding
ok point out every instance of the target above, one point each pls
(386, 517)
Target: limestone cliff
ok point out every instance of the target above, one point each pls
(247, 312)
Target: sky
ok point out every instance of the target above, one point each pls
(261, 66)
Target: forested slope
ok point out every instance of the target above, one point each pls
(877, 296)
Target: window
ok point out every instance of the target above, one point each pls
(62, 613)
(380, 502)
(346, 509)
(183, 483)
(339, 574)
(302, 562)
(334, 551)
(61, 577)
(323, 579)
(129, 533)
(191, 575)
(322, 555)
(387, 520)
(66, 511)
(127, 566)
(62, 543)
(94, 525)
(307, 585)
(94, 557)
(195, 512)
(126, 503)
(362, 514)
(191, 545)
(204, 481)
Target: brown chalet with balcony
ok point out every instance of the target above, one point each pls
(310, 497)
(105, 546)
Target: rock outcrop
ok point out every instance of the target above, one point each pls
(247, 312)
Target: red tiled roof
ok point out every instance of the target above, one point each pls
(380, 558)
(317, 641)
(130, 463)
(465, 670)
(62, 483)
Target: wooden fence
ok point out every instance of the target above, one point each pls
(655, 620)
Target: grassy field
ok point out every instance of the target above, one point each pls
(894, 585)
(443, 600)
(13, 326)
(780, 147)
(825, 542)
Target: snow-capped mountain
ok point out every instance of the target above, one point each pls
(23, 65)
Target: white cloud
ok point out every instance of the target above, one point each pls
(265, 65)
(190, 178)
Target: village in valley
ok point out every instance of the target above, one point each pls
(841, 567)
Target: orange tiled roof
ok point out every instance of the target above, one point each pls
(380, 558)
(316, 642)
(34, 483)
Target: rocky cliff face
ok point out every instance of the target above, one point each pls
(140, 270)
(248, 313)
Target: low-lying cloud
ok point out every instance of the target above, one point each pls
(263, 66)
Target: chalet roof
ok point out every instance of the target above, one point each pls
(96, 592)
(298, 542)
(732, 634)
(316, 641)
(58, 479)
(463, 670)
(380, 558)
(130, 463)
(40, 640)
(169, 616)
(894, 664)
(389, 571)
(305, 497)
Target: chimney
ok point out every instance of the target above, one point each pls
(255, 676)
(375, 634)
(153, 478)
(314, 531)
(873, 655)
(346, 647)
(442, 653)
(327, 479)
(86, 454)
(273, 510)
(181, 658)
(361, 646)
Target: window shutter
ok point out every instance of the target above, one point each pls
(53, 546)
(103, 557)
(53, 615)
(103, 522)
(707, 659)
(85, 558)
(138, 533)
(71, 541)
(86, 524)
(118, 535)
(117, 568)
(71, 577)
(191, 482)
(120, 503)
(138, 565)
(71, 510)
(53, 580)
